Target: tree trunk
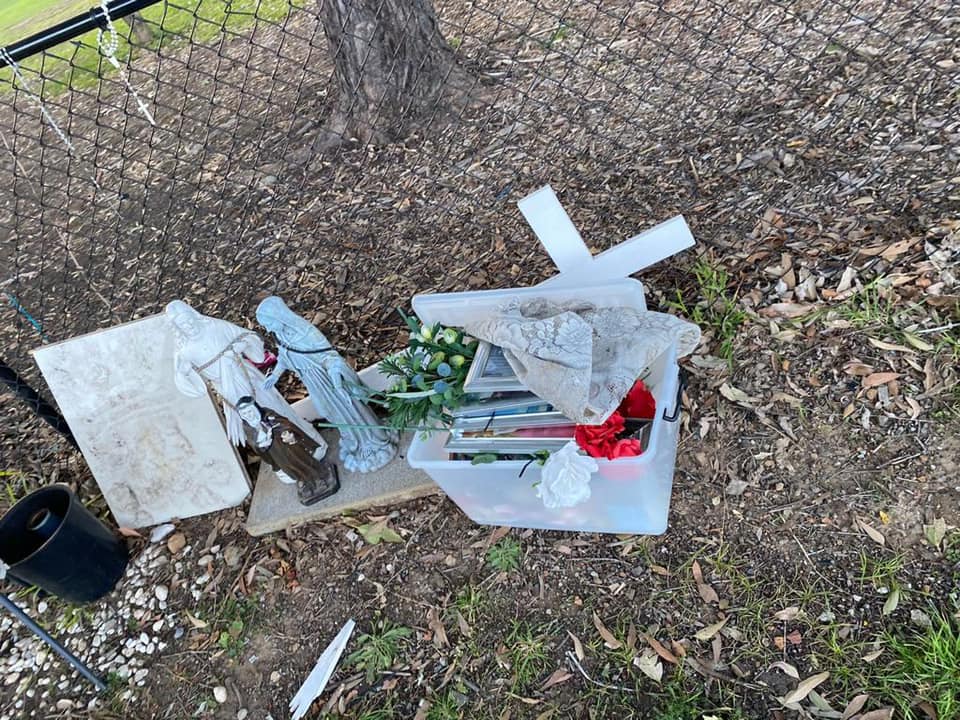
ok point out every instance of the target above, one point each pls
(140, 30)
(394, 69)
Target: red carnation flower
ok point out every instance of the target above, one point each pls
(598, 440)
(602, 441)
(639, 403)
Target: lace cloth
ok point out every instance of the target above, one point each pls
(580, 358)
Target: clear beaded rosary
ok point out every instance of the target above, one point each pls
(109, 50)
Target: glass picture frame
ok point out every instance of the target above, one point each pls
(490, 372)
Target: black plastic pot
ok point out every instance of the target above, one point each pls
(49, 539)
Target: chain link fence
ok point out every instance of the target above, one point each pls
(347, 154)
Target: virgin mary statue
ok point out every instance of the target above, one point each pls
(220, 353)
(304, 350)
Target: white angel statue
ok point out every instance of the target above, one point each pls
(332, 384)
(220, 353)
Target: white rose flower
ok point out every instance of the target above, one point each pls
(565, 479)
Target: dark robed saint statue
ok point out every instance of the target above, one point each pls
(294, 456)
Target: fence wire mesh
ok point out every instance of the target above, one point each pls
(267, 171)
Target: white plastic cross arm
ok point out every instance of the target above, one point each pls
(570, 254)
(556, 231)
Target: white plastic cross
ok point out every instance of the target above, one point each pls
(573, 259)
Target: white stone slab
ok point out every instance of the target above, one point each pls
(156, 454)
(275, 505)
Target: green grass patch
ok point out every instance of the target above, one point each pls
(880, 572)
(78, 64)
(378, 649)
(471, 602)
(505, 555)
(715, 309)
(527, 654)
(22, 18)
(926, 668)
(444, 707)
(233, 621)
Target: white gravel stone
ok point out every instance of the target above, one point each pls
(220, 694)
(160, 532)
(162, 592)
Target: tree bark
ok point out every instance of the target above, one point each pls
(394, 69)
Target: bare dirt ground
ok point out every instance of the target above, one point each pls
(813, 151)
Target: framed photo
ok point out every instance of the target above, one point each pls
(490, 372)
(502, 403)
(527, 443)
(506, 421)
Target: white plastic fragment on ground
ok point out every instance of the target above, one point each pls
(317, 680)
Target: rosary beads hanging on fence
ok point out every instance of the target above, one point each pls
(109, 50)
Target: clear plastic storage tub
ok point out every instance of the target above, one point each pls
(628, 495)
(457, 309)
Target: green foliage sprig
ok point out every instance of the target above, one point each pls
(428, 376)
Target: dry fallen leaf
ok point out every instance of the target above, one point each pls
(435, 624)
(878, 379)
(708, 594)
(915, 409)
(893, 599)
(854, 706)
(608, 639)
(557, 677)
(882, 714)
(787, 668)
(577, 646)
(787, 614)
(804, 688)
(736, 394)
(464, 626)
(195, 621)
(930, 376)
(880, 344)
(129, 532)
(857, 368)
(898, 248)
(918, 342)
(871, 531)
(661, 650)
(650, 665)
(710, 630)
(871, 656)
(935, 532)
(788, 310)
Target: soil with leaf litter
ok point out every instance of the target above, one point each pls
(813, 524)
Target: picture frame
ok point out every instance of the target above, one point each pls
(490, 372)
(475, 444)
(502, 403)
(496, 422)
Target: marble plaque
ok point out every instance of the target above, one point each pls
(155, 453)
